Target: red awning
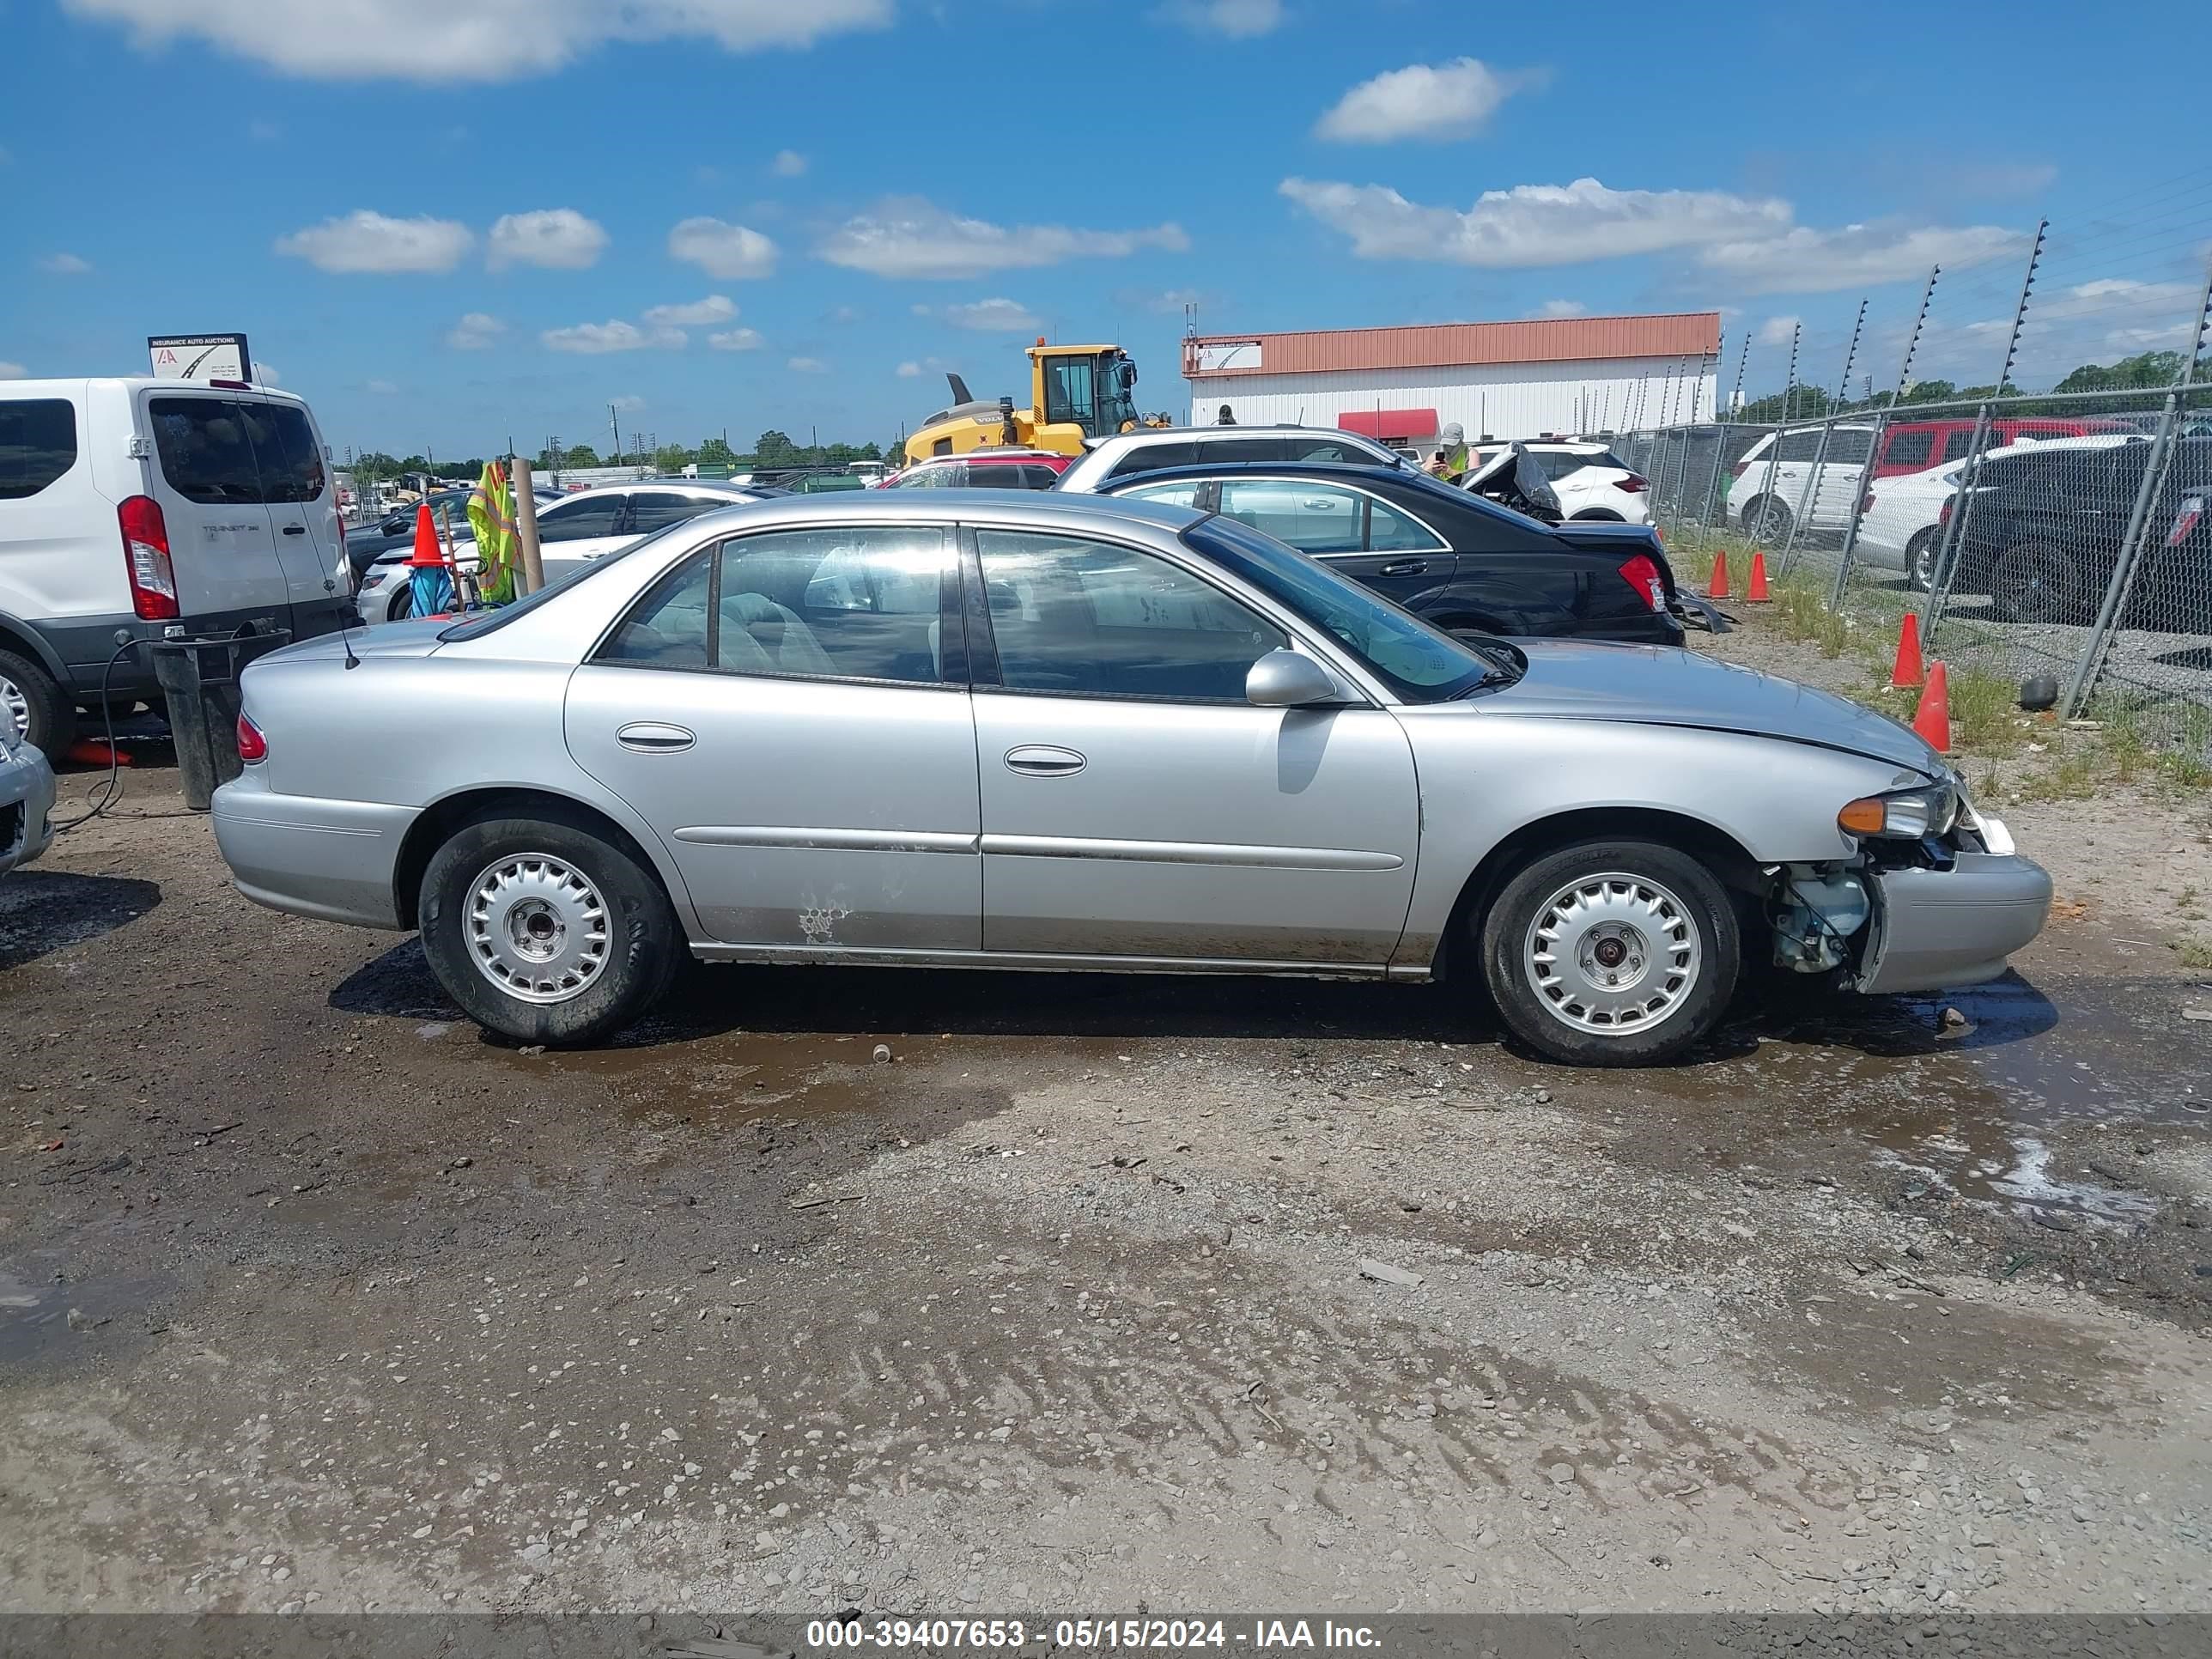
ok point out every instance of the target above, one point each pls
(1389, 425)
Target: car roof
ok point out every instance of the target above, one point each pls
(1154, 434)
(995, 452)
(1075, 512)
(1358, 471)
(65, 384)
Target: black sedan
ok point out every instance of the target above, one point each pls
(2047, 524)
(1466, 564)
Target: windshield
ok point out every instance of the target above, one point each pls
(490, 622)
(1416, 661)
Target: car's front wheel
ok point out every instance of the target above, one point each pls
(1611, 952)
(2033, 582)
(544, 930)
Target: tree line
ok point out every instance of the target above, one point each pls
(2141, 383)
(772, 449)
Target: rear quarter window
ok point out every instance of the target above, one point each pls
(37, 445)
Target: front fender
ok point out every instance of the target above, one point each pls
(1486, 776)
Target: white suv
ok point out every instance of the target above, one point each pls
(131, 509)
(1591, 482)
(1774, 481)
(1154, 449)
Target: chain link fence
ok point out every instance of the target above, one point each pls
(2059, 544)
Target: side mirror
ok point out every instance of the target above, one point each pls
(1284, 679)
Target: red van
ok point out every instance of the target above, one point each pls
(1916, 446)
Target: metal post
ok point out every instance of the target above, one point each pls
(2117, 591)
(2020, 311)
(532, 576)
(1940, 574)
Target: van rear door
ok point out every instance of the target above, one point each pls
(203, 474)
(301, 501)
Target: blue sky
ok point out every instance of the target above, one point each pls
(447, 223)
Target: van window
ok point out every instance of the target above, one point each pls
(284, 450)
(37, 444)
(1909, 450)
(205, 452)
(1154, 458)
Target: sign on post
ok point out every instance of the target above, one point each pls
(200, 356)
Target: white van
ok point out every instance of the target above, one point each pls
(132, 509)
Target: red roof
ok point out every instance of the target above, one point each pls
(1457, 345)
(1384, 424)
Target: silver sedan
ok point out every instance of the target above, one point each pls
(999, 730)
(27, 801)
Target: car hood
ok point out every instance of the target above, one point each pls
(1659, 685)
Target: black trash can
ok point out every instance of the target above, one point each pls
(200, 680)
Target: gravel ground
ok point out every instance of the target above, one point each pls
(1095, 1293)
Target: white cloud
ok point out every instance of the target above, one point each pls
(1777, 331)
(1750, 239)
(1238, 20)
(842, 315)
(907, 236)
(1556, 308)
(627, 404)
(993, 317)
(714, 308)
(65, 265)
(384, 388)
(365, 241)
(266, 374)
(591, 338)
(1170, 302)
(13, 370)
(559, 238)
(808, 365)
(909, 371)
(1807, 261)
(478, 331)
(730, 252)
(1423, 101)
(787, 164)
(737, 339)
(1534, 224)
(436, 40)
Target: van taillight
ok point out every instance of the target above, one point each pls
(1641, 574)
(251, 746)
(146, 559)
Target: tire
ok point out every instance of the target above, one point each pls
(34, 708)
(1598, 515)
(1767, 520)
(1631, 894)
(403, 603)
(549, 897)
(2033, 582)
(1920, 559)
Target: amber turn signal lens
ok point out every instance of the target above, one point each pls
(1864, 818)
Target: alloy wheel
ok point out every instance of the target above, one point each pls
(537, 927)
(1613, 953)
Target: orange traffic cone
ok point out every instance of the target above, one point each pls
(1754, 591)
(1933, 720)
(428, 549)
(1907, 671)
(1717, 588)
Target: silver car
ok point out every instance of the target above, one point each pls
(993, 729)
(27, 801)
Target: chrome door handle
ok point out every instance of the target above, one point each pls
(653, 738)
(1406, 568)
(1038, 760)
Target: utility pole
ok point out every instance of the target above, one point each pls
(616, 418)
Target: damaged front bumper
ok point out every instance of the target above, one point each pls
(1937, 927)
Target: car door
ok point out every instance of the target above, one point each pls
(222, 544)
(780, 708)
(574, 531)
(301, 512)
(1373, 543)
(1136, 806)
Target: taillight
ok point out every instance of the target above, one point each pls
(1737, 469)
(1866, 503)
(345, 564)
(1943, 513)
(251, 746)
(146, 559)
(2192, 509)
(1631, 483)
(1641, 574)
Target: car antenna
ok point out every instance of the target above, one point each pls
(345, 624)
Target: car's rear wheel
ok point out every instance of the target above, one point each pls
(1920, 558)
(34, 708)
(1610, 953)
(2033, 582)
(1597, 515)
(1766, 520)
(544, 930)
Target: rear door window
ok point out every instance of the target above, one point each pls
(206, 453)
(1958, 443)
(1848, 446)
(1798, 446)
(1214, 452)
(579, 520)
(1909, 452)
(285, 451)
(1314, 517)
(1154, 458)
(37, 445)
(656, 509)
(1327, 449)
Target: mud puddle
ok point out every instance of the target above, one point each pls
(45, 1312)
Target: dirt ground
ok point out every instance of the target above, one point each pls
(1097, 1293)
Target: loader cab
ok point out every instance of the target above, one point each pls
(1089, 388)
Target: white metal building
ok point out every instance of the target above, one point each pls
(1502, 379)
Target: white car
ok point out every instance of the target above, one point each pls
(1772, 484)
(571, 533)
(1591, 482)
(1154, 449)
(1901, 525)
